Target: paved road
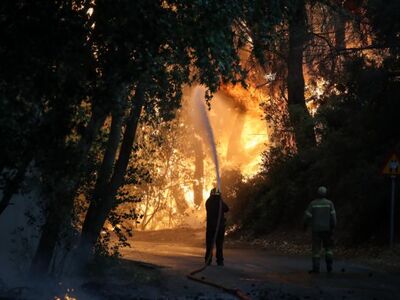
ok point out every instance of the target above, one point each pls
(258, 273)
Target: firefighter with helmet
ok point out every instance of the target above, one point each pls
(216, 208)
(321, 215)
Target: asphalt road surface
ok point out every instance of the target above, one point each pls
(258, 273)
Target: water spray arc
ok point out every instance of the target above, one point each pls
(202, 124)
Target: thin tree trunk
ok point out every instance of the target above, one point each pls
(144, 219)
(300, 118)
(198, 172)
(99, 210)
(153, 213)
(106, 168)
(61, 203)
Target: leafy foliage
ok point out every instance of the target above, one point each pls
(356, 133)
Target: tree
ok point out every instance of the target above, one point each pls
(36, 76)
(300, 117)
(354, 122)
(46, 76)
(165, 64)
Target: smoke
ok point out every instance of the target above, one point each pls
(202, 124)
(18, 237)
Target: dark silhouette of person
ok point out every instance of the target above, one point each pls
(216, 208)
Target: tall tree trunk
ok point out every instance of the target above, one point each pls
(107, 164)
(62, 200)
(235, 148)
(340, 38)
(106, 168)
(179, 197)
(48, 240)
(146, 209)
(198, 172)
(300, 118)
(105, 202)
(340, 31)
(96, 121)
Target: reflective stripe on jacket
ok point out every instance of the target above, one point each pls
(322, 214)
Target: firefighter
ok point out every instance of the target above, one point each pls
(215, 204)
(322, 216)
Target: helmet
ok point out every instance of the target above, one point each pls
(322, 191)
(214, 191)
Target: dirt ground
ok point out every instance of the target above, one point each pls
(158, 262)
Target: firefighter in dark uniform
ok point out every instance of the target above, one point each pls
(215, 204)
(322, 216)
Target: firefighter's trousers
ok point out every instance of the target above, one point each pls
(322, 240)
(218, 245)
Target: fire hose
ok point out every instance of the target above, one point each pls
(233, 291)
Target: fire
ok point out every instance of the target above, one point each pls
(240, 128)
(314, 90)
(66, 296)
(253, 137)
(241, 135)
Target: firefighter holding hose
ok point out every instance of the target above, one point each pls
(322, 216)
(216, 208)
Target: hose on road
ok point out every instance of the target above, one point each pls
(233, 291)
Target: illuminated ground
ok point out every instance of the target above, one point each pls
(262, 275)
(157, 265)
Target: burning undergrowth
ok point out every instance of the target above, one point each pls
(179, 163)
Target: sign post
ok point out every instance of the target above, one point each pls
(392, 168)
(393, 177)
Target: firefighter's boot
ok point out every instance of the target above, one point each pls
(329, 260)
(315, 269)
